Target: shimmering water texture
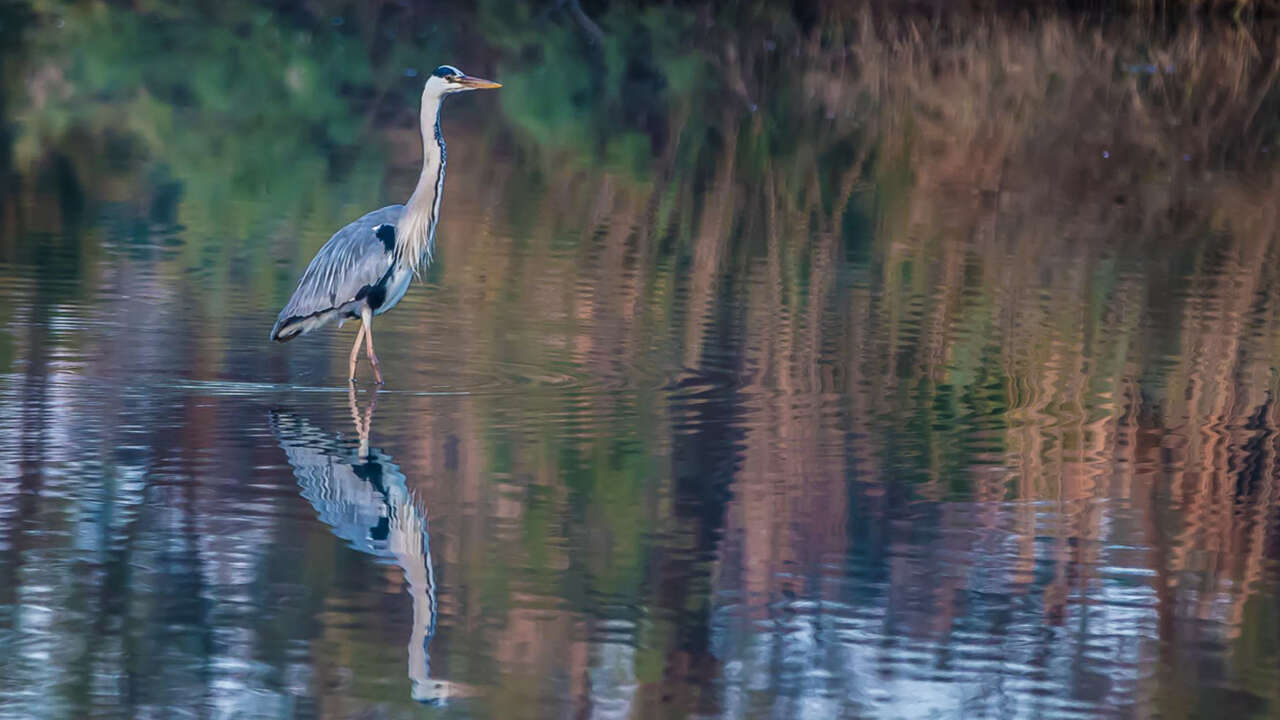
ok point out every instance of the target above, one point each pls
(827, 362)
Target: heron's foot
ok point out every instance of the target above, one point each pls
(377, 375)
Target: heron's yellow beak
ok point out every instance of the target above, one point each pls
(476, 83)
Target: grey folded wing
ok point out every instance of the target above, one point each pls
(356, 259)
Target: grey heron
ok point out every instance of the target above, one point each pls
(366, 267)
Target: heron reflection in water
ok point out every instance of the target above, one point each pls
(362, 495)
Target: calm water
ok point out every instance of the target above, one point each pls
(772, 366)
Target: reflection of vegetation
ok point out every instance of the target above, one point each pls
(800, 218)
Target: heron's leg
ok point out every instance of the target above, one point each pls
(366, 319)
(355, 354)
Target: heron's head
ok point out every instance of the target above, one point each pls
(448, 79)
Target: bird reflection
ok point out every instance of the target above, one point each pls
(362, 495)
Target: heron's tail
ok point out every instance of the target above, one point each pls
(288, 328)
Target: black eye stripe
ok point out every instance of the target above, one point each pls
(447, 71)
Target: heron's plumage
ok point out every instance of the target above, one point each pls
(356, 265)
(353, 262)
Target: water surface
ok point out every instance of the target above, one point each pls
(772, 366)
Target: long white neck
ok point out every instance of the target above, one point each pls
(416, 232)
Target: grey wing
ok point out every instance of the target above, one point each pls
(357, 257)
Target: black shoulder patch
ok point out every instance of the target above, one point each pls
(373, 295)
(387, 234)
(377, 296)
